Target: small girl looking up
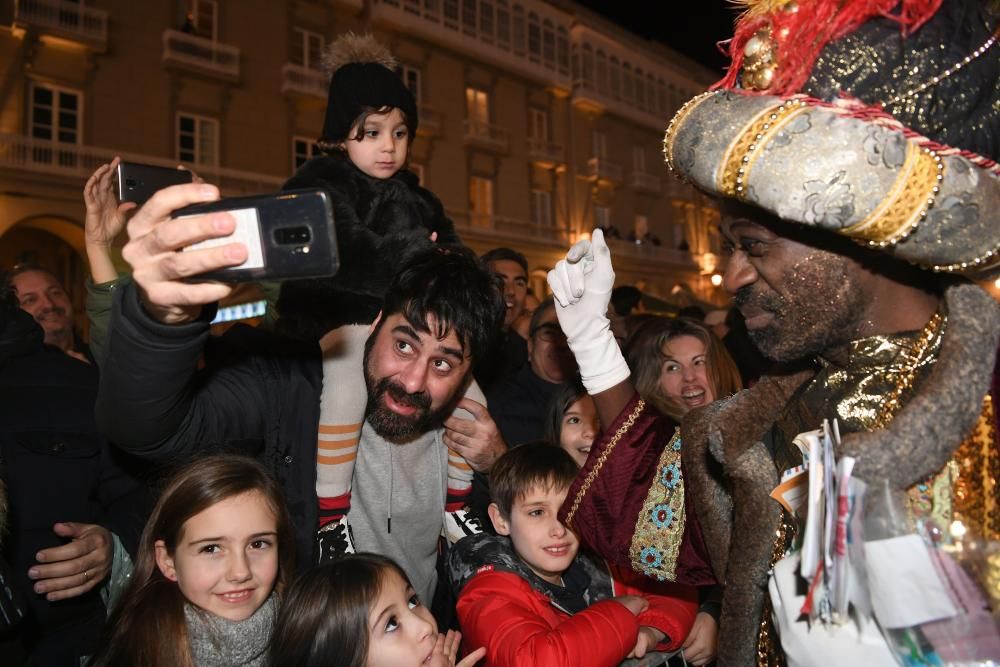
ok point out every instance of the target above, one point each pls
(360, 611)
(382, 217)
(571, 422)
(215, 553)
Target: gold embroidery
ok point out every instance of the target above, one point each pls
(907, 203)
(601, 460)
(659, 528)
(744, 150)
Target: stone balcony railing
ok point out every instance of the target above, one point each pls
(25, 154)
(603, 170)
(511, 229)
(302, 80)
(545, 153)
(486, 135)
(205, 55)
(651, 183)
(70, 20)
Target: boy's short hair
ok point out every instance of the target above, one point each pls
(528, 466)
(509, 254)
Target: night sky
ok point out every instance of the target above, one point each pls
(692, 28)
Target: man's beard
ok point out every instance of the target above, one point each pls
(821, 308)
(392, 425)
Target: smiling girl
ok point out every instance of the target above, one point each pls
(361, 611)
(214, 555)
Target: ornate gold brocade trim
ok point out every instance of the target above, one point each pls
(622, 430)
(905, 206)
(659, 528)
(744, 150)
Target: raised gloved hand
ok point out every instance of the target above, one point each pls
(581, 285)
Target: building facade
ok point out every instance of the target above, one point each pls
(538, 120)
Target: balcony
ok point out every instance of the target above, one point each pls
(600, 169)
(530, 37)
(302, 80)
(545, 154)
(650, 183)
(201, 54)
(431, 121)
(512, 230)
(24, 154)
(68, 20)
(486, 135)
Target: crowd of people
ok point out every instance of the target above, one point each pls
(418, 462)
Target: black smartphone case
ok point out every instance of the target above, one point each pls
(138, 182)
(296, 230)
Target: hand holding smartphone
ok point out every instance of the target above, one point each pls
(287, 235)
(138, 182)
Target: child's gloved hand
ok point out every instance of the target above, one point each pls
(581, 285)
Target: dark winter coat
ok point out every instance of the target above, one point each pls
(258, 396)
(56, 468)
(380, 224)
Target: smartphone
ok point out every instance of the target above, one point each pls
(287, 235)
(138, 182)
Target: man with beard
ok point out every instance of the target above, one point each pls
(259, 394)
(842, 223)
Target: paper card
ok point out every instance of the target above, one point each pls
(905, 587)
(247, 232)
(793, 490)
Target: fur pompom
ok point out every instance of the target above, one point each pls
(354, 48)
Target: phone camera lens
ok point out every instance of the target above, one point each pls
(130, 182)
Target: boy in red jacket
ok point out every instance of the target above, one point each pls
(530, 598)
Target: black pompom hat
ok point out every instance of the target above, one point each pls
(363, 76)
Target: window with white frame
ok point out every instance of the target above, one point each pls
(412, 80)
(541, 208)
(55, 114)
(205, 17)
(480, 201)
(303, 150)
(477, 107)
(639, 159)
(602, 217)
(197, 139)
(538, 124)
(307, 48)
(600, 145)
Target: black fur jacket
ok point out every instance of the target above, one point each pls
(380, 225)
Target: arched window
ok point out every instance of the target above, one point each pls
(534, 38)
(562, 50)
(627, 83)
(616, 78)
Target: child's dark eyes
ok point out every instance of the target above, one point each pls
(400, 134)
(391, 624)
(414, 601)
(573, 421)
(210, 549)
(260, 544)
(536, 512)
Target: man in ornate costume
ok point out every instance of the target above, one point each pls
(854, 234)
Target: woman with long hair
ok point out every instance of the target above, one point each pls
(677, 364)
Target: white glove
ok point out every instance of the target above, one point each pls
(581, 285)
